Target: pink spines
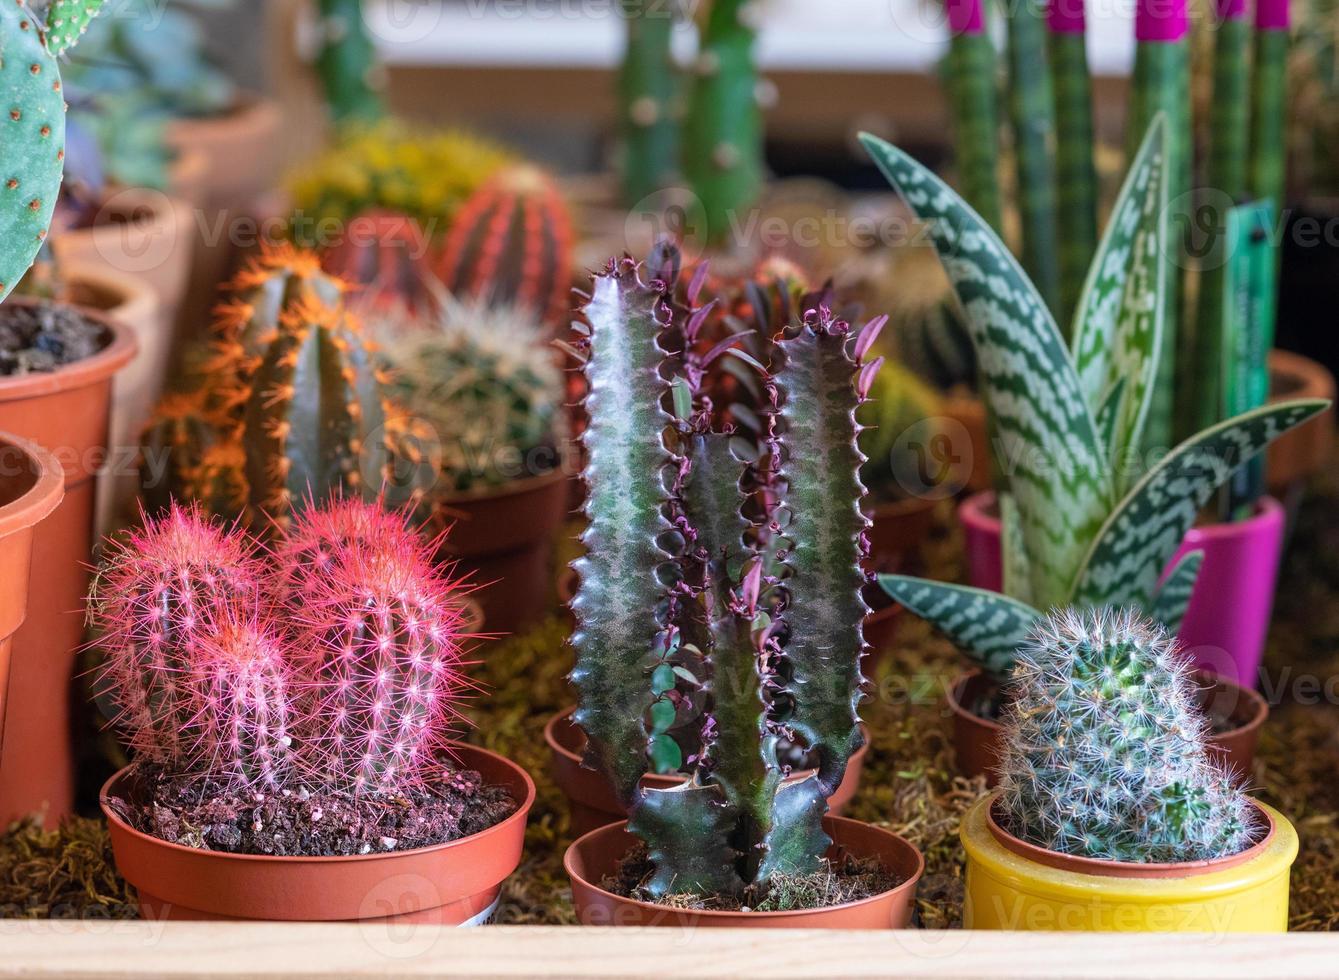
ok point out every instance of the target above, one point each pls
(379, 652)
(157, 594)
(240, 695)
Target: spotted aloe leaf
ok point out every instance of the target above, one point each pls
(619, 627)
(986, 626)
(1054, 461)
(1145, 529)
(1173, 597)
(1119, 320)
(1013, 551)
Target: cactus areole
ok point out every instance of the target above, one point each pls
(720, 593)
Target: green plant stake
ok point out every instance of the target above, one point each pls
(723, 131)
(1227, 174)
(648, 94)
(1081, 524)
(347, 64)
(1032, 116)
(1075, 167)
(971, 74)
(1161, 86)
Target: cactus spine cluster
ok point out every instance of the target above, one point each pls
(331, 662)
(720, 593)
(648, 94)
(488, 385)
(511, 245)
(291, 407)
(34, 125)
(1105, 747)
(347, 64)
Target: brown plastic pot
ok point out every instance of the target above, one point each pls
(32, 485)
(591, 801)
(503, 538)
(897, 529)
(67, 412)
(979, 742)
(449, 884)
(1300, 452)
(595, 856)
(131, 302)
(970, 412)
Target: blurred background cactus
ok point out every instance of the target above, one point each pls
(383, 259)
(488, 387)
(901, 414)
(346, 62)
(650, 100)
(1105, 747)
(1313, 100)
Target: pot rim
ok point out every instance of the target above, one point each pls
(902, 507)
(975, 509)
(513, 488)
(565, 714)
(127, 288)
(90, 370)
(1100, 868)
(1268, 512)
(718, 914)
(1201, 676)
(521, 814)
(39, 500)
(1313, 377)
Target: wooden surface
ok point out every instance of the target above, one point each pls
(147, 949)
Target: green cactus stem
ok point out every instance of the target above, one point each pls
(971, 72)
(347, 64)
(66, 22)
(1075, 166)
(1269, 105)
(1032, 116)
(1105, 751)
(648, 100)
(723, 130)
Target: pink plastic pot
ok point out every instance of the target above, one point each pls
(1228, 617)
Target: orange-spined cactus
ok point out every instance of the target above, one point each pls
(511, 244)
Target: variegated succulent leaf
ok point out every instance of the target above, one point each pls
(687, 832)
(66, 21)
(797, 841)
(985, 626)
(821, 382)
(620, 603)
(1119, 320)
(1052, 458)
(1013, 551)
(1145, 529)
(1173, 595)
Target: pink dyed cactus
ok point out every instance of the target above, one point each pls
(332, 662)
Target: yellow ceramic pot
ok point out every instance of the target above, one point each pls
(1009, 888)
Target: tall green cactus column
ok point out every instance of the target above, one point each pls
(347, 63)
(1075, 166)
(970, 76)
(1227, 179)
(1162, 85)
(722, 137)
(1032, 115)
(1269, 104)
(648, 92)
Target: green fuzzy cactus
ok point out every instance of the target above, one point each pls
(32, 149)
(723, 129)
(1105, 748)
(719, 608)
(347, 64)
(1084, 520)
(488, 385)
(898, 402)
(648, 97)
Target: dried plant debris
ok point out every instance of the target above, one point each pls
(45, 337)
(65, 873)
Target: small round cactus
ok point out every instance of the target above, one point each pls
(490, 388)
(158, 596)
(320, 539)
(1105, 754)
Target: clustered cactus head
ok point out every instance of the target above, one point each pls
(333, 661)
(1105, 747)
(719, 607)
(486, 390)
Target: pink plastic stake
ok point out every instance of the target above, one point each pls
(965, 17)
(1271, 15)
(1160, 20)
(1065, 16)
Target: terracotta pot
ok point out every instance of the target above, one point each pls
(131, 302)
(978, 742)
(504, 539)
(880, 631)
(898, 528)
(970, 412)
(592, 803)
(1012, 884)
(137, 232)
(595, 856)
(1301, 452)
(31, 487)
(67, 412)
(449, 884)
